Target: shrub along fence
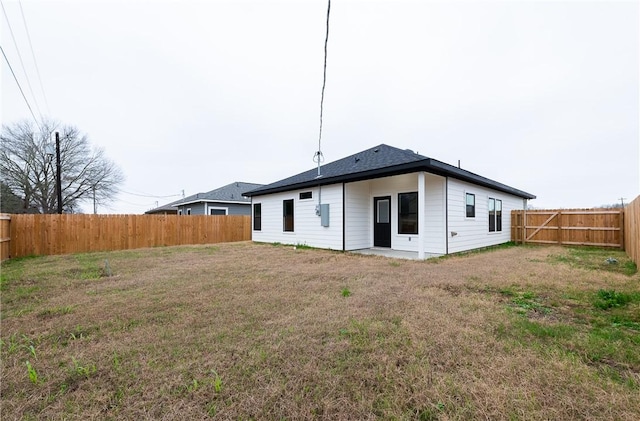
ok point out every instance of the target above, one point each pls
(26, 235)
(632, 230)
(585, 227)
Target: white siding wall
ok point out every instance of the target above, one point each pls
(307, 228)
(435, 235)
(359, 218)
(474, 232)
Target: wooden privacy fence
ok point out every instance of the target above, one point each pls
(632, 230)
(5, 235)
(79, 233)
(584, 227)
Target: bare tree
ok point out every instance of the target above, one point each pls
(28, 167)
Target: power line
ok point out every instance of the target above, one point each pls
(24, 69)
(35, 62)
(150, 195)
(20, 87)
(324, 78)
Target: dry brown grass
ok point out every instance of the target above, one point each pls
(248, 331)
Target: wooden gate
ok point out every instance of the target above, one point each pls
(584, 227)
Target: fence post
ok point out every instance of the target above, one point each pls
(5, 236)
(524, 223)
(622, 229)
(560, 228)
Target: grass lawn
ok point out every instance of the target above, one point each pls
(250, 331)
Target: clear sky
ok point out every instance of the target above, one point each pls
(192, 95)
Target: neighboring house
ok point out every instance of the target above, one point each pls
(168, 209)
(386, 197)
(226, 200)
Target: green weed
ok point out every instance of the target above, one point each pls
(606, 299)
(302, 246)
(526, 302)
(33, 374)
(345, 292)
(217, 382)
(82, 370)
(55, 311)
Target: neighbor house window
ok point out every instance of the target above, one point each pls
(306, 195)
(179, 211)
(495, 215)
(218, 211)
(287, 215)
(257, 216)
(408, 213)
(471, 205)
(188, 211)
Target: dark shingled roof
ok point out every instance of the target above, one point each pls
(234, 192)
(379, 161)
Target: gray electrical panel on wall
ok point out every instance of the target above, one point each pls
(324, 215)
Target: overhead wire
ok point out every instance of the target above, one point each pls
(35, 62)
(20, 87)
(24, 69)
(324, 82)
(150, 195)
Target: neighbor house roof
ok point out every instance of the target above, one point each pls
(379, 161)
(168, 208)
(231, 193)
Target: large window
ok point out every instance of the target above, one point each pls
(257, 216)
(495, 215)
(287, 215)
(471, 205)
(408, 213)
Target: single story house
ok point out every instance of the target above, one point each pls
(168, 209)
(226, 200)
(386, 197)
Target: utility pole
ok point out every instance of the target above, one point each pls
(58, 175)
(95, 209)
(622, 201)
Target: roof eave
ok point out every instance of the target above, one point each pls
(237, 202)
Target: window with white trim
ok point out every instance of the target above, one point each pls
(257, 216)
(470, 202)
(495, 215)
(408, 213)
(287, 215)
